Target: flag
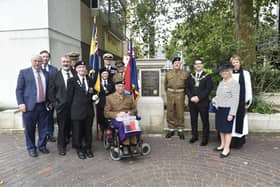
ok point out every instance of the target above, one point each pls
(131, 82)
(94, 59)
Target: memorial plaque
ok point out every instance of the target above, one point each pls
(150, 83)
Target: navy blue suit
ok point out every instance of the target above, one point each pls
(52, 71)
(36, 113)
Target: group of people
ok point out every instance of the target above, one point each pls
(42, 89)
(233, 98)
(70, 91)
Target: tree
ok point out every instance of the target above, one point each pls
(208, 33)
(245, 31)
(141, 23)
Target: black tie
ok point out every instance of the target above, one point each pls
(83, 84)
(68, 75)
(105, 83)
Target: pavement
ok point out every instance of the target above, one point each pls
(172, 162)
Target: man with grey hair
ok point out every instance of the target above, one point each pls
(58, 96)
(31, 97)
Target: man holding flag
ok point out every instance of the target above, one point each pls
(94, 69)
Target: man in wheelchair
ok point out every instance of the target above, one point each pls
(119, 105)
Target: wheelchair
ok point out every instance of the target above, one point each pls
(112, 141)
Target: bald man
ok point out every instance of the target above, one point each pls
(32, 101)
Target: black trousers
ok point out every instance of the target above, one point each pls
(103, 123)
(82, 134)
(204, 115)
(64, 126)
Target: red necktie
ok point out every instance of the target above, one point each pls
(41, 88)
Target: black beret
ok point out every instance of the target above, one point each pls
(225, 66)
(102, 70)
(79, 63)
(120, 82)
(176, 59)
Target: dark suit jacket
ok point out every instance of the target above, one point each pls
(112, 72)
(57, 92)
(202, 91)
(26, 90)
(52, 69)
(81, 105)
(103, 94)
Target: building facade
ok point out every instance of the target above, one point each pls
(27, 27)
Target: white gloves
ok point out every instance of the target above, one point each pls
(95, 99)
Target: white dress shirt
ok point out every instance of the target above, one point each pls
(81, 80)
(65, 77)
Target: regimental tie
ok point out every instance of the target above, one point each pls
(83, 84)
(41, 88)
(68, 75)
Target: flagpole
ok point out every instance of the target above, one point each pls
(96, 108)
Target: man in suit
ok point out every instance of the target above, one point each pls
(108, 59)
(57, 94)
(198, 88)
(120, 75)
(119, 104)
(79, 94)
(106, 87)
(52, 71)
(31, 97)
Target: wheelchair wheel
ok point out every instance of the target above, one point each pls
(146, 149)
(106, 143)
(115, 154)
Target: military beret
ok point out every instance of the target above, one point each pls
(120, 82)
(225, 66)
(80, 63)
(102, 70)
(108, 56)
(73, 55)
(176, 59)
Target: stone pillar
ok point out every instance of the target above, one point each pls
(150, 106)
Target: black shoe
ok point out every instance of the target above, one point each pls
(204, 143)
(33, 153)
(62, 151)
(224, 156)
(170, 134)
(193, 139)
(181, 135)
(125, 150)
(44, 151)
(217, 149)
(133, 149)
(81, 155)
(51, 139)
(89, 154)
